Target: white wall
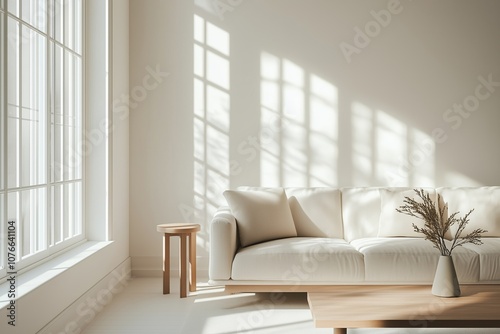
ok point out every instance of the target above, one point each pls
(294, 110)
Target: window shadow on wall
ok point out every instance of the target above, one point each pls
(305, 137)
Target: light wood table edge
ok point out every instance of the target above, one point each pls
(340, 326)
(239, 288)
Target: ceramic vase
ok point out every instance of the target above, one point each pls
(445, 280)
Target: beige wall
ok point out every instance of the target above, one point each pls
(304, 93)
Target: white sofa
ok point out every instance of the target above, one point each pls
(343, 236)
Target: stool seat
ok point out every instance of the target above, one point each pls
(183, 231)
(178, 228)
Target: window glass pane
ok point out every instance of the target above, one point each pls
(33, 221)
(41, 15)
(69, 210)
(78, 221)
(35, 13)
(13, 62)
(78, 26)
(78, 149)
(69, 23)
(57, 114)
(13, 147)
(69, 114)
(58, 16)
(26, 10)
(33, 123)
(57, 214)
(13, 6)
(13, 103)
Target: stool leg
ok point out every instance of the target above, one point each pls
(183, 265)
(340, 331)
(192, 261)
(166, 264)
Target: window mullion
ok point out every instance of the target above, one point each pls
(64, 113)
(19, 226)
(3, 114)
(48, 133)
(19, 73)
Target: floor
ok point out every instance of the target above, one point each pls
(142, 308)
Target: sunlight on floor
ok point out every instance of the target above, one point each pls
(142, 308)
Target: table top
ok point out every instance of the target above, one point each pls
(404, 306)
(178, 228)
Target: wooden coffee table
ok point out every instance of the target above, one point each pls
(375, 306)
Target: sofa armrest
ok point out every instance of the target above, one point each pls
(223, 244)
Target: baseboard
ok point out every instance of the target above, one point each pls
(151, 273)
(159, 273)
(152, 266)
(80, 313)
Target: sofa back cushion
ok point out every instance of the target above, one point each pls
(360, 212)
(486, 204)
(317, 212)
(395, 224)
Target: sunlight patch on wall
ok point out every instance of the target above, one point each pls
(452, 177)
(294, 132)
(323, 137)
(299, 122)
(391, 146)
(211, 117)
(270, 97)
(362, 143)
(218, 39)
(421, 159)
(387, 151)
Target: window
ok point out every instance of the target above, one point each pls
(41, 127)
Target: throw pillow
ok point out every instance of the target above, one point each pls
(486, 204)
(261, 215)
(393, 223)
(317, 212)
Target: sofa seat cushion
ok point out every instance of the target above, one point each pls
(299, 260)
(411, 260)
(489, 258)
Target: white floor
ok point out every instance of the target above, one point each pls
(142, 308)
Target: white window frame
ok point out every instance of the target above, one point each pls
(51, 247)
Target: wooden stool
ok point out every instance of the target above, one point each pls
(183, 231)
